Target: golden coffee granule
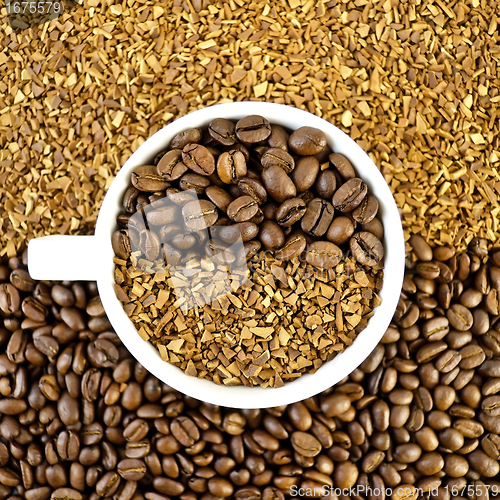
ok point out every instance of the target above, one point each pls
(260, 326)
(416, 84)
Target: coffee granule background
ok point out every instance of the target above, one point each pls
(415, 83)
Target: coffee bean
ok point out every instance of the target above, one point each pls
(185, 137)
(146, 178)
(278, 138)
(349, 195)
(248, 186)
(252, 129)
(326, 184)
(375, 227)
(435, 329)
(307, 141)
(460, 317)
(422, 249)
(244, 230)
(131, 469)
(305, 174)
(66, 494)
(482, 463)
(323, 254)
(340, 230)
(231, 167)
(242, 209)
(170, 167)
(290, 211)
(342, 165)
(188, 182)
(335, 405)
(367, 248)
(163, 215)
(222, 131)
(278, 184)
(9, 298)
(121, 245)
(305, 444)
(21, 279)
(318, 217)
(367, 210)
(271, 235)
(345, 474)
(199, 214)
(198, 158)
(220, 198)
(294, 245)
(280, 158)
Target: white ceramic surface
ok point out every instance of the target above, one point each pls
(91, 258)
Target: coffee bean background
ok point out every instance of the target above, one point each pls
(80, 419)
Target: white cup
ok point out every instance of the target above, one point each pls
(90, 258)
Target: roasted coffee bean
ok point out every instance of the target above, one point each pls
(231, 167)
(342, 165)
(290, 211)
(170, 167)
(252, 129)
(340, 231)
(244, 230)
(189, 182)
(367, 248)
(163, 215)
(278, 138)
(271, 235)
(375, 227)
(323, 254)
(146, 178)
(242, 209)
(294, 245)
(280, 158)
(307, 141)
(220, 198)
(121, 245)
(367, 210)
(326, 184)
(222, 131)
(460, 317)
(305, 444)
(21, 279)
(349, 195)
(131, 469)
(192, 135)
(248, 186)
(305, 174)
(198, 158)
(318, 217)
(199, 214)
(278, 184)
(9, 298)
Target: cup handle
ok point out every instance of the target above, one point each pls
(63, 257)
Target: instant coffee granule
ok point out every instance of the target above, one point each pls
(287, 321)
(415, 83)
(81, 419)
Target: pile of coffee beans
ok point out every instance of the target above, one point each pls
(225, 208)
(81, 419)
(241, 175)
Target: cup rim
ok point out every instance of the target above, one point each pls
(330, 372)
